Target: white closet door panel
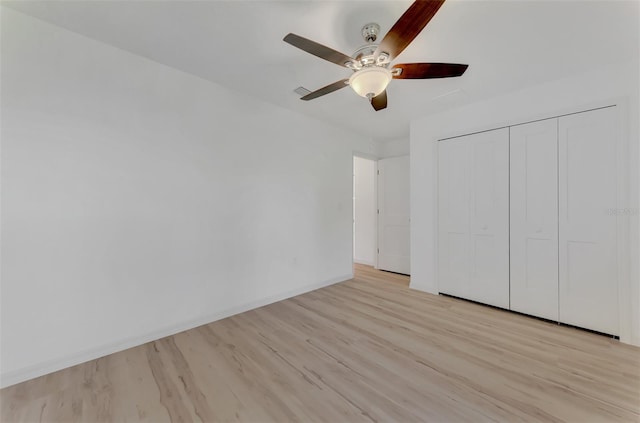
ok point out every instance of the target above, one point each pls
(474, 217)
(489, 226)
(534, 218)
(588, 238)
(453, 233)
(393, 218)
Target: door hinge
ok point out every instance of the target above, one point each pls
(378, 211)
(378, 172)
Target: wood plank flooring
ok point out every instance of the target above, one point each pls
(369, 349)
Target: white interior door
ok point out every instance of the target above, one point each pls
(534, 218)
(393, 218)
(473, 217)
(364, 211)
(588, 237)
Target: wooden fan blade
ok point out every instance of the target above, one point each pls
(326, 90)
(429, 70)
(318, 50)
(408, 27)
(379, 102)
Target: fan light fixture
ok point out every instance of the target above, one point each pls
(370, 81)
(371, 63)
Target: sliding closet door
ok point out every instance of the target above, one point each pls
(588, 245)
(453, 217)
(534, 218)
(473, 222)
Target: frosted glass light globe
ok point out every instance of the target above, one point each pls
(371, 81)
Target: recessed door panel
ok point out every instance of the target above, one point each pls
(588, 254)
(393, 217)
(473, 205)
(534, 218)
(453, 233)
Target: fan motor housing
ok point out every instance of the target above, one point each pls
(365, 51)
(365, 55)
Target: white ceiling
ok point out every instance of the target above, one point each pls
(238, 44)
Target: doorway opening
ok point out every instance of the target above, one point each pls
(381, 221)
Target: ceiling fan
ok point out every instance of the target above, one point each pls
(370, 63)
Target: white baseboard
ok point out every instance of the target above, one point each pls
(365, 262)
(16, 376)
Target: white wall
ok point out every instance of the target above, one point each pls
(608, 85)
(393, 148)
(138, 201)
(364, 211)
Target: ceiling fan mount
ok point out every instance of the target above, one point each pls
(370, 63)
(370, 32)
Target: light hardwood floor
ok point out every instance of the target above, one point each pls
(367, 349)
